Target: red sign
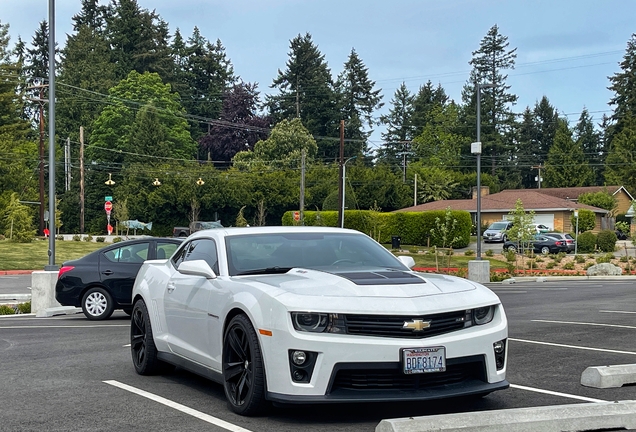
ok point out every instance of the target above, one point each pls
(109, 228)
(296, 215)
(108, 206)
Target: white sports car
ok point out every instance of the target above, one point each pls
(314, 315)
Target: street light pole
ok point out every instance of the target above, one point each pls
(51, 266)
(476, 149)
(344, 176)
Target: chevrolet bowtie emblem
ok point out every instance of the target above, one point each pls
(416, 325)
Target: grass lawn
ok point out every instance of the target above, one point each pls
(461, 261)
(34, 256)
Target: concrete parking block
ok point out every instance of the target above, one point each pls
(61, 310)
(577, 417)
(609, 376)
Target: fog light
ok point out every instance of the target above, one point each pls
(499, 347)
(299, 375)
(299, 357)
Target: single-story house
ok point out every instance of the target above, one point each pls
(553, 211)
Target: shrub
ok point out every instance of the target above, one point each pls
(59, 237)
(530, 264)
(580, 259)
(77, 237)
(606, 240)
(117, 239)
(510, 256)
(88, 238)
(550, 265)
(469, 252)
(6, 310)
(568, 266)
(539, 260)
(586, 242)
(510, 267)
(24, 308)
(588, 265)
(624, 259)
(498, 277)
(604, 259)
(100, 239)
(490, 253)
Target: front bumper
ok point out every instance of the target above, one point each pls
(362, 368)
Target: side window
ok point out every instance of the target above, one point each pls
(135, 253)
(203, 249)
(165, 249)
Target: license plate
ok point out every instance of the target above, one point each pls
(423, 360)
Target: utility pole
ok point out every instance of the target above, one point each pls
(415, 192)
(67, 164)
(538, 178)
(340, 172)
(81, 179)
(297, 100)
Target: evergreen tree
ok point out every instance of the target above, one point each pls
(620, 165)
(526, 143)
(358, 101)
(398, 126)
(589, 139)
(37, 64)
(425, 101)
(547, 121)
(566, 165)
(306, 91)
(12, 123)
(489, 63)
(623, 84)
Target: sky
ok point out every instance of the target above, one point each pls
(566, 49)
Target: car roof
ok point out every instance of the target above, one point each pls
(236, 231)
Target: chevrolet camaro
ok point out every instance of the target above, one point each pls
(314, 315)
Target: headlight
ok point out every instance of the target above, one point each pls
(483, 315)
(317, 322)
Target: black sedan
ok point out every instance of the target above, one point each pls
(102, 281)
(540, 244)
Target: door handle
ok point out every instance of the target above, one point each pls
(108, 272)
(171, 287)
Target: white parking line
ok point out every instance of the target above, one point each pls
(553, 393)
(586, 323)
(617, 312)
(65, 326)
(184, 409)
(573, 346)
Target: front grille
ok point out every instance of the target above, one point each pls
(389, 376)
(393, 325)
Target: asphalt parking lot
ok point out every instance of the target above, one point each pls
(68, 373)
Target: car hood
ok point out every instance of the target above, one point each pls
(379, 283)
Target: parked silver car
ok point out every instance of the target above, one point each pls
(496, 232)
(571, 242)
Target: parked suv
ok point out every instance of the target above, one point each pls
(496, 232)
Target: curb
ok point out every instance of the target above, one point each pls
(15, 272)
(578, 417)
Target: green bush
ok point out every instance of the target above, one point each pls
(550, 265)
(59, 237)
(606, 240)
(77, 237)
(588, 265)
(510, 256)
(580, 259)
(624, 259)
(539, 259)
(604, 259)
(100, 239)
(586, 242)
(490, 253)
(88, 238)
(469, 252)
(568, 266)
(24, 308)
(117, 239)
(6, 310)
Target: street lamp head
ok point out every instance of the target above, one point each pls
(485, 85)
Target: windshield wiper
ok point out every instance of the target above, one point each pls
(268, 270)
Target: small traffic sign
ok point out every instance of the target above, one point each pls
(108, 198)
(296, 216)
(108, 206)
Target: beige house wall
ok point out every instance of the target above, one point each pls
(562, 221)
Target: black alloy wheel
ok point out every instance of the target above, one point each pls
(142, 344)
(545, 250)
(243, 375)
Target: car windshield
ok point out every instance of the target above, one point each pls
(277, 253)
(498, 226)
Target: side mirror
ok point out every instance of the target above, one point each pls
(197, 268)
(407, 261)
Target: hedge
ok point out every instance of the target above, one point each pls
(414, 228)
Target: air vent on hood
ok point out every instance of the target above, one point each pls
(395, 277)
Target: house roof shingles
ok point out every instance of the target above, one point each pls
(505, 201)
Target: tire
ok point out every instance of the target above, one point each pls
(243, 374)
(97, 304)
(545, 250)
(511, 248)
(142, 344)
